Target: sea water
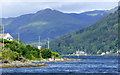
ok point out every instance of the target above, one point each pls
(89, 64)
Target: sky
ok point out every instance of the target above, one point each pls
(14, 8)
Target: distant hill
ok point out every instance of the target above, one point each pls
(49, 23)
(90, 17)
(102, 35)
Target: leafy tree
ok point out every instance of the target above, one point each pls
(56, 54)
(46, 53)
(9, 55)
(99, 52)
(0, 28)
(13, 49)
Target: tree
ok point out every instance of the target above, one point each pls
(56, 54)
(99, 52)
(46, 53)
(0, 28)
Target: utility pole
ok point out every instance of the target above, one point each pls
(39, 47)
(3, 37)
(48, 43)
(39, 40)
(18, 37)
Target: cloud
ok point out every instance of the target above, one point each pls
(59, 0)
(11, 8)
(86, 6)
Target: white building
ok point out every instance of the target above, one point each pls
(80, 52)
(6, 36)
(118, 51)
(39, 47)
(103, 53)
(108, 52)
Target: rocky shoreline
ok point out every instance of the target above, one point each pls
(31, 63)
(20, 65)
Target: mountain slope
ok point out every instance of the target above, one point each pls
(47, 23)
(91, 16)
(100, 36)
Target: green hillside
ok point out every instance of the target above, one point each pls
(100, 36)
(49, 23)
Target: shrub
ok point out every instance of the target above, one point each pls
(14, 50)
(16, 55)
(22, 50)
(28, 55)
(5, 41)
(56, 54)
(46, 53)
(9, 55)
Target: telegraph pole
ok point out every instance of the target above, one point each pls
(18, 37)
(48, 43)
(3, 37)
(39, 47)
(39, 40)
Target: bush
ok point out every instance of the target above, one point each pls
(9, 55)
(22, 50)
(46, 53)
(16, 55)
(13, 50)
(56, 54)
(28, 55)
(5, 41)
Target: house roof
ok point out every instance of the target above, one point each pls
(3, 35)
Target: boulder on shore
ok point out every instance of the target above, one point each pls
(22, 59)
(5, 61)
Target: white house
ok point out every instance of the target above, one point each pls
(118, 51)
(108, 52)
(6, 36)
(103, 53)
(80, 52)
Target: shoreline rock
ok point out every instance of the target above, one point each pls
(56, 60)
(18, 64)
(3, 66)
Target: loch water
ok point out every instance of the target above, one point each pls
(89, 64)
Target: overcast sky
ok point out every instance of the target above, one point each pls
(13, 8)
